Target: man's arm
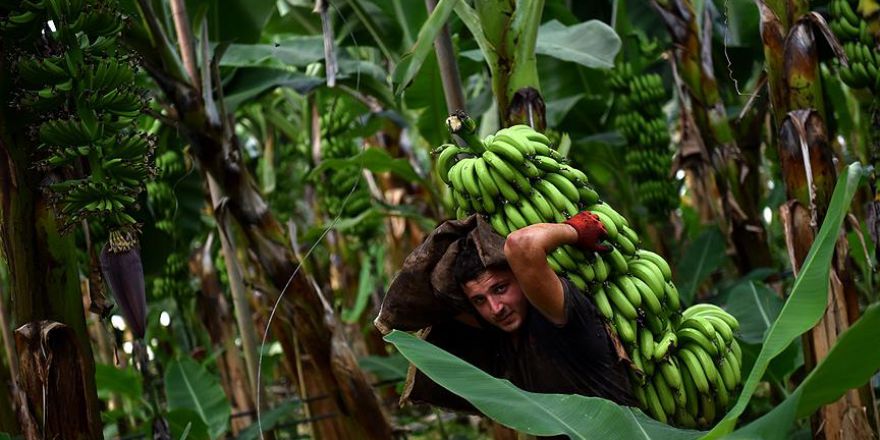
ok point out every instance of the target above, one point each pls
(526, 250)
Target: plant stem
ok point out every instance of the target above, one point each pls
(452, 89)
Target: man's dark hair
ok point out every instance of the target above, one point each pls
(468, 265)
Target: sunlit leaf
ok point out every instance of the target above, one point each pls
(808, 298)
(591, 44)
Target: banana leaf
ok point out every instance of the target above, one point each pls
(577, 416)
(189, 386)
(411, 63)
(849, 364)
(806, 303)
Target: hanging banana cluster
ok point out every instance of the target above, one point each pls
(854, 32)
(79, 90)
(344, 191)
(163, 204)
(642, 123)
(514, 178)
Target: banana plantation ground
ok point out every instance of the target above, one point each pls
(204, 203)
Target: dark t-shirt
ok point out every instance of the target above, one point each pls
(577, 358)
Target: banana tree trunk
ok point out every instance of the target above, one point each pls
(44, 284)
(719, 157)
(808, 170)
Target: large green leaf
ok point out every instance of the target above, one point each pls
(411, 63)
(189, 385)
(186, 422)
(806, 303)
(295, 51)
(755, 306)
(123, 381)
(700, 259)
(592, 43)
(577, 416)
(850, 363)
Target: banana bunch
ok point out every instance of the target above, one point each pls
(175, 277)
(161, 198)
(642, 123)
(344, 191)
(515, 178)
(857, 37)
(691, 375)
(76, 88)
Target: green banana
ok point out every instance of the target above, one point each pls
(692, 405)
(565, 186)
(504, 187)
(694, 336)
(668, 341)
(618, 299)
(601, 301)
(671, 295)
(514, 217)
(665, 394)
(658, 261)
(504, 149)
(655, 407)
(559, 201)
(484, 176)
(600, 268)
(610, 226)
(706, 361)
(670, 371)
(542, 205)
(546, 163)
(725, 370)
(629, 289)
(694, 369)
(498, 224)
(648, 273)
(530, 213)
(625, 329)
(626, 246)
(720, 326)
(618, 263)
(469, 178)
(649, 299)
(646, 343)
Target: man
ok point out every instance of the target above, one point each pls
(495, 303)
(554, 340)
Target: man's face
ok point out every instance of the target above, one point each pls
(497, 297)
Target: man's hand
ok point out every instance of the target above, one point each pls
(590, 231)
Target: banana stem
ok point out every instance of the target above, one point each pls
(461, 124)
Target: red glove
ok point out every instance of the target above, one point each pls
(590, 231)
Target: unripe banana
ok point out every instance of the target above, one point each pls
(618, 299)
(601, 301)
(692, 364)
